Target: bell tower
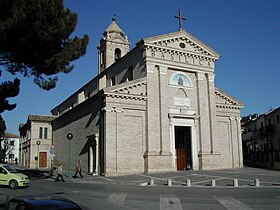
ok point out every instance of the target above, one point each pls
(112, 46)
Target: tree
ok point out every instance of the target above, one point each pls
(7, 89)
(34, 39)
(35, 42)
(5, 149)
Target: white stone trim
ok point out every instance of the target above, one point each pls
(188, 122)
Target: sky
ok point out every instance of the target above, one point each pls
(246, 33)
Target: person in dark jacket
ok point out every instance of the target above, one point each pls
(78, 169)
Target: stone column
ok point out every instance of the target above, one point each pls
(239, 141)
(97, 154)
(232, 138)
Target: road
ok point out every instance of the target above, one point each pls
(117, 195)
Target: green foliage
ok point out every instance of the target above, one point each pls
(8, 89)
(35, 39)
(2, 128)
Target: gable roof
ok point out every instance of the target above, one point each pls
(227, 101)
(135, 89)
(193, 44)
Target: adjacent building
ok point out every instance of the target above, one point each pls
(35, 142)
(152, 108)
(10, 143)
(261, 139)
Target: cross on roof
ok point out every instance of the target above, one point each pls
(181, 18)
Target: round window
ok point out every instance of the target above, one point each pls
(182, 45)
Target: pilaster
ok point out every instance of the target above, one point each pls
(239, 140)
(212, 112)
(233, 144)
(203, 112)
(163, 101)
(153, 111)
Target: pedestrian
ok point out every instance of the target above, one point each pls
(78, 169)
(59, 174)
(16, 160)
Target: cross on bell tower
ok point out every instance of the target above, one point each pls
(181, 18)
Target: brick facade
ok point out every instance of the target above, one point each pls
(158, 109)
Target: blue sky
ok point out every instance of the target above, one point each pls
(245, 32)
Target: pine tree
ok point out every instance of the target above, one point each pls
(35, 42)
(35, 39)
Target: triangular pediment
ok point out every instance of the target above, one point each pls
(181, 41)
(135, 88)
(224, 100)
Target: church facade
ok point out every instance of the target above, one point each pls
(149, 109)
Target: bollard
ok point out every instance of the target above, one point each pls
(169, 182)
(152, 182)
(213, 183)
(257, 182)
(235, 183)
(188, 183)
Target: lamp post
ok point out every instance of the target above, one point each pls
(38, 143)
(69, 137)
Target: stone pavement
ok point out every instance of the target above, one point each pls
(242, 177)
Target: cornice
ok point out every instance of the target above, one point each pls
(172, 50)
(228, 106)
(129, 87)
(126, 96)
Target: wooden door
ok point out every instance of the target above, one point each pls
(181, 159)
(43, 160)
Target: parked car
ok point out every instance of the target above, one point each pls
(12, 178)
(41, 202)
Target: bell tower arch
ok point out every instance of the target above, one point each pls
(112, 46)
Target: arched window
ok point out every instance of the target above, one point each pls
(117, 54)
(181, 80)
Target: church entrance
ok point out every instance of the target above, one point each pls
(183, 147)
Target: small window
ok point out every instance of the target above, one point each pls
(45, 133)
(41, 133)
(12, 143)
(102, 57)
(117, 54)
(113, 81)
(130, 74)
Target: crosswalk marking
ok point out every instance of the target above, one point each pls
(117, 198)
(231, 203)
(170, 203)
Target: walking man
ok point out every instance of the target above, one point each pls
(59, 174)
(78, 169)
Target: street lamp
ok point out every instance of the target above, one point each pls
(69, 137)
(38, 143)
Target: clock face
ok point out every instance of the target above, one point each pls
(180, 79)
